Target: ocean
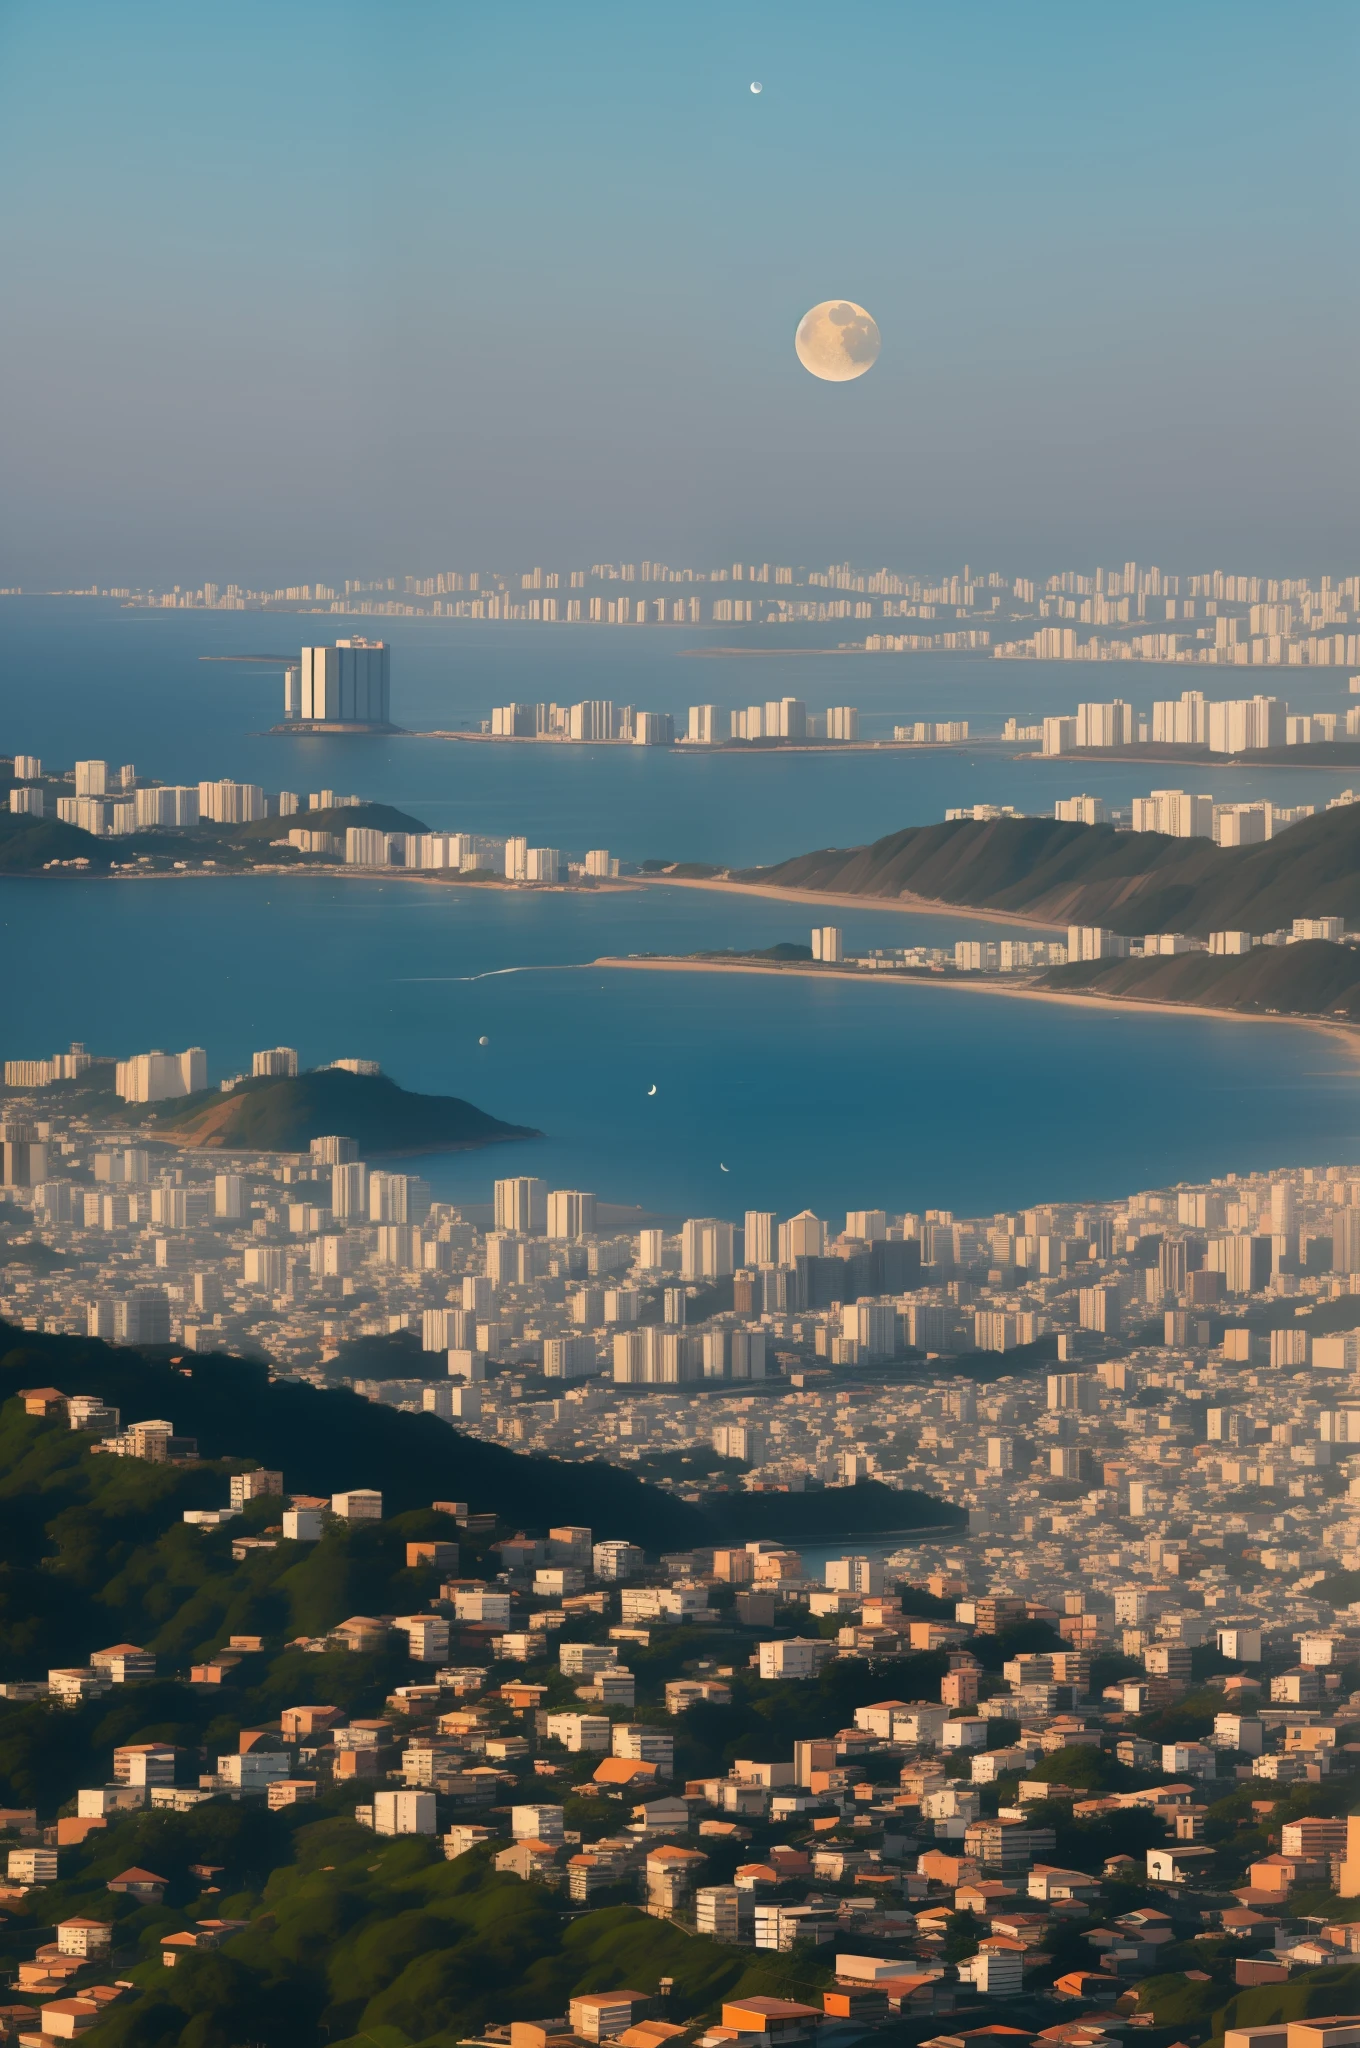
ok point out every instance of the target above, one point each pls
(87, 677)
(769, 1093)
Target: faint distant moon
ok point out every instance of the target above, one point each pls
(756, 85)
(837, 341)
(483, 1041)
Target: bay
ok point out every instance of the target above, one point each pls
(823, 1093)
(89, 677)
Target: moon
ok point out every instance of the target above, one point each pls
(756, 85)
(483, 1041)
(837, 341)
(652, 1089)
(722, 1168)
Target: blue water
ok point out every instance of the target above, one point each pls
(826, 1094)
(829, 1094)
(87, 677)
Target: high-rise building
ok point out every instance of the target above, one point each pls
(348, 684)
(1175, 812)
(828, 942)
(709, 725)
(522, 1205)
(706, 1249)
(803, 1236)
(142, 1317)
(349, 1190)
(868, 1224)
(760, 1237)
(397, 1198)
(1072, 1391)
(159, 1076)
(280, 1061)
(333, 1151)
(571, 1214)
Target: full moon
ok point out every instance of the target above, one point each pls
(837, 341)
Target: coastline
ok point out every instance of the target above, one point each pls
(431, 878)
(1268, 757)
(747, 750)
(982, 985)
(920, 906)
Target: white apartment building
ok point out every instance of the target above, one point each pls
(348, 684)
(160, 1076)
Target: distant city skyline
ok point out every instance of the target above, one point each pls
(869, 575)
(534, 281)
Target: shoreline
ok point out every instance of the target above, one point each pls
(742, 749)
(1348, 1035)
(1112, 757)
(921, 906)
(431, 878)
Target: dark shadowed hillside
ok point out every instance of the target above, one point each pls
(1090, 874)
(284, 1115)
(1311, 979)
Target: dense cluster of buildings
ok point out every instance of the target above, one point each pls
(782, 721)
(868, 1839)
(1231, 725)
(539, 1327)
(1215, 616)
(1164, 1475)
(113, 802)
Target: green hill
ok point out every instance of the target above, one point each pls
(1311, 979)
(285, 1114)
(27, 844)
(327, 1440)
(1132, 882)
(365, 1943)
(376, 817)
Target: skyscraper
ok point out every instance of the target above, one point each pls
(348, 684)
(522, 1205)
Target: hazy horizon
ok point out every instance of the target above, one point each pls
(357, 290)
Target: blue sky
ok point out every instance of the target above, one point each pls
(300, 290)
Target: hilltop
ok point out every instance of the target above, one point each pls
(1311, 979)
(285, 1114)
(340, 819)
(28, 844)
(1132, 882)
(325, 1439)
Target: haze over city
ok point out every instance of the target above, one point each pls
(680, 922)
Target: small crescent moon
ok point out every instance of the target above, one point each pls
(756, 85)
(483, 1041)
(722, 1168)
(652, 1089)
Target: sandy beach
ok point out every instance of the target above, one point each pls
(1346, 1035)
(921, 906)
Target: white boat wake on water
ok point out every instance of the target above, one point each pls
(490, 973)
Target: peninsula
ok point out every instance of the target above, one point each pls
(1314, 982)
(283, 1113)
(1057, 873)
